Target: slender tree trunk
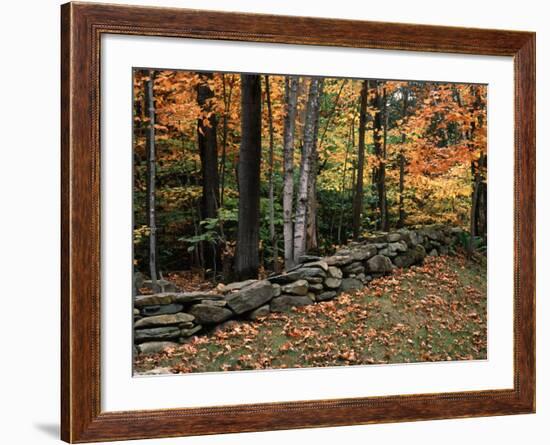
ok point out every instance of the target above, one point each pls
(312, 238)
(384, 217)
(151, 175)
(227, 109)
(402, 161)
(272, 233)
(482, 201)
(291, 98)
(358, 198)
(377, 143)
(308, 153)
(208, 150)
(247, 255)
(349, 146)
(473, 208)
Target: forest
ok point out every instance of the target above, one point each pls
(238, 176)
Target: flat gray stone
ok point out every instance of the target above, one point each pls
(393, 249)
(377, 239)
(316, 288)
(276, 289)
(339, 260)
(208, 314)
(154, 347)
(153, 300)
(328, 295)
(262, 311)
(364, 252)
(308, 258)
(320, 264)
(231, 287)
(335, 272)
(195, 297)
(286, 302)
(173, 308)
(333, 283)
(164, 320)
(353, 268)
(351, 284)
(299, 274)
(394, 237)
(190, 331)
(151, 334)
(299, 287)
(250, 297)
(220, 303)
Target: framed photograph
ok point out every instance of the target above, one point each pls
(274, 222)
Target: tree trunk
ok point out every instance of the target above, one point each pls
(377, 143)
(227, 109)
(208, 151)
(291, 98)
(358, 197)
(272, 234)
(247, 255)
(473, 208)
(312, 238)
(349, 145)
(383, 200)
(151, 175)
(402, 161)
(308, 153)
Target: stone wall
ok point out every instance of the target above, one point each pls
(166, 318)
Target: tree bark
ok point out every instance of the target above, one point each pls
(227, 108)
(247, 255)
(349, 145)
(312, 238)
(151, 175)
(379, 172)
(402, 161)
(358, 197)
(291, 98)
(473, 209)
(272, 233)
(208, 151)
(308, 152)
(384, 217)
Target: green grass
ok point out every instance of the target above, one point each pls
(432, 312)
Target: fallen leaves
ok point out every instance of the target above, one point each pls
(433, 312)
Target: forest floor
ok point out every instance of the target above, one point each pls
(433, 312)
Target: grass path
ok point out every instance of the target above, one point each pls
(432, 312)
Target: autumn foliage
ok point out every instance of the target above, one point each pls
(424, 161)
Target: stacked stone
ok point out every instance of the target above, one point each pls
(165, 319)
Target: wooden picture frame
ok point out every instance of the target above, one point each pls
(82, 26)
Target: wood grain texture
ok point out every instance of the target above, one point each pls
(82, 27)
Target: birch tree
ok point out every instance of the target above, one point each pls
(307, 162)
(151, 174)
(358, 197)
(291, 99)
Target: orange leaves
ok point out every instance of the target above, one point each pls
(432, 312)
